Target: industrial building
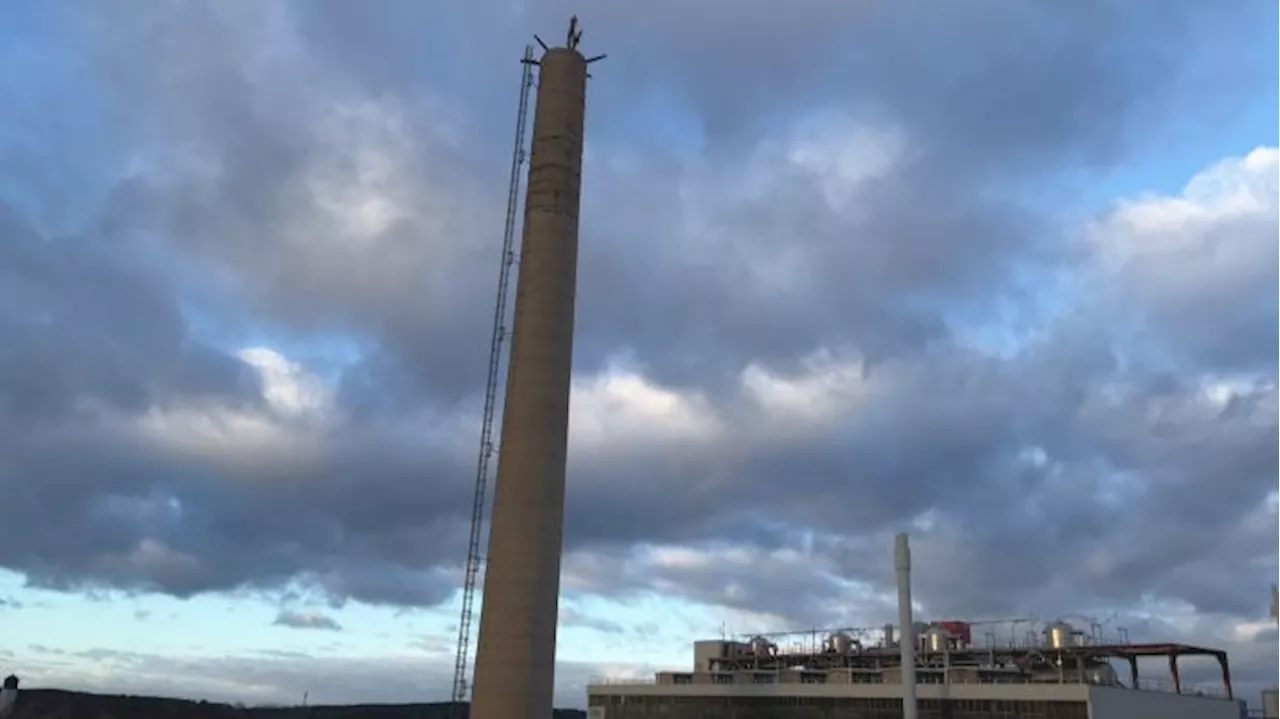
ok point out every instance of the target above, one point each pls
(1019, 669)
(1059, 673)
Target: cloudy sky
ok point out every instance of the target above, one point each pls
(1002, 273)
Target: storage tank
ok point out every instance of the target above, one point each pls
(1101, 673)
(1060, 635)
(936, 639)
(839, 643)
(762, 647)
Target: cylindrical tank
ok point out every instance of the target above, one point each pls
(935, 639)
(762, 647)
(8, 695)
(839, 643)
(1059, 635)
(1101, 673)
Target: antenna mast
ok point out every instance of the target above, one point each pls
(461, 680)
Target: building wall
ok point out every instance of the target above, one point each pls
(829, 708)
(705, 651)
(835, 701)
(1118, 703)
(872, 701)
(1270, 704)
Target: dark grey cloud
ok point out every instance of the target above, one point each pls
(828, 235)
(99, 371)
(298, 619)
(82, 325)
(570, 617)
(273, 186)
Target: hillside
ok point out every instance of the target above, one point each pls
(56, 704)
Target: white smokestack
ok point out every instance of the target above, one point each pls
(8, 696)
(906, 626)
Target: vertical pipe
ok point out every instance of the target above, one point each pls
(8, 696)
(516, 648)
(906, 631)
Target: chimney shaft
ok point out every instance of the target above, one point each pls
(906, 626)
(516, 648)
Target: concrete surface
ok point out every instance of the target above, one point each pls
(515, 656)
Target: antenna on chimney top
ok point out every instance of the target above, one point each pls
(575, 35)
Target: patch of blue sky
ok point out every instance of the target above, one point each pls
(1156, 169)
(52, 124)
(76, 622)
(654, 119)
(1165, 167)
(646, 628)
(1224, 104)
(206, 625)
(218, 325)
(1161, 162)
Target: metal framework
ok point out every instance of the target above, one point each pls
(461, 680)
(995, 663)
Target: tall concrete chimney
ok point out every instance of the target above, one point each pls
(907, 638)
(516, 649)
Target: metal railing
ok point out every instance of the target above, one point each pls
(1146, 685)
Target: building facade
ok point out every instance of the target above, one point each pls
(1066, 675)
(869, 701)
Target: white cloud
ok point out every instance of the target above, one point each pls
(1235, 187)
(737, 220)
(1198, 269)
(225, 436)
(821, 393)
(290, 388)
(844, 156)
(300, 403)
(622, 409)
(368, 182)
